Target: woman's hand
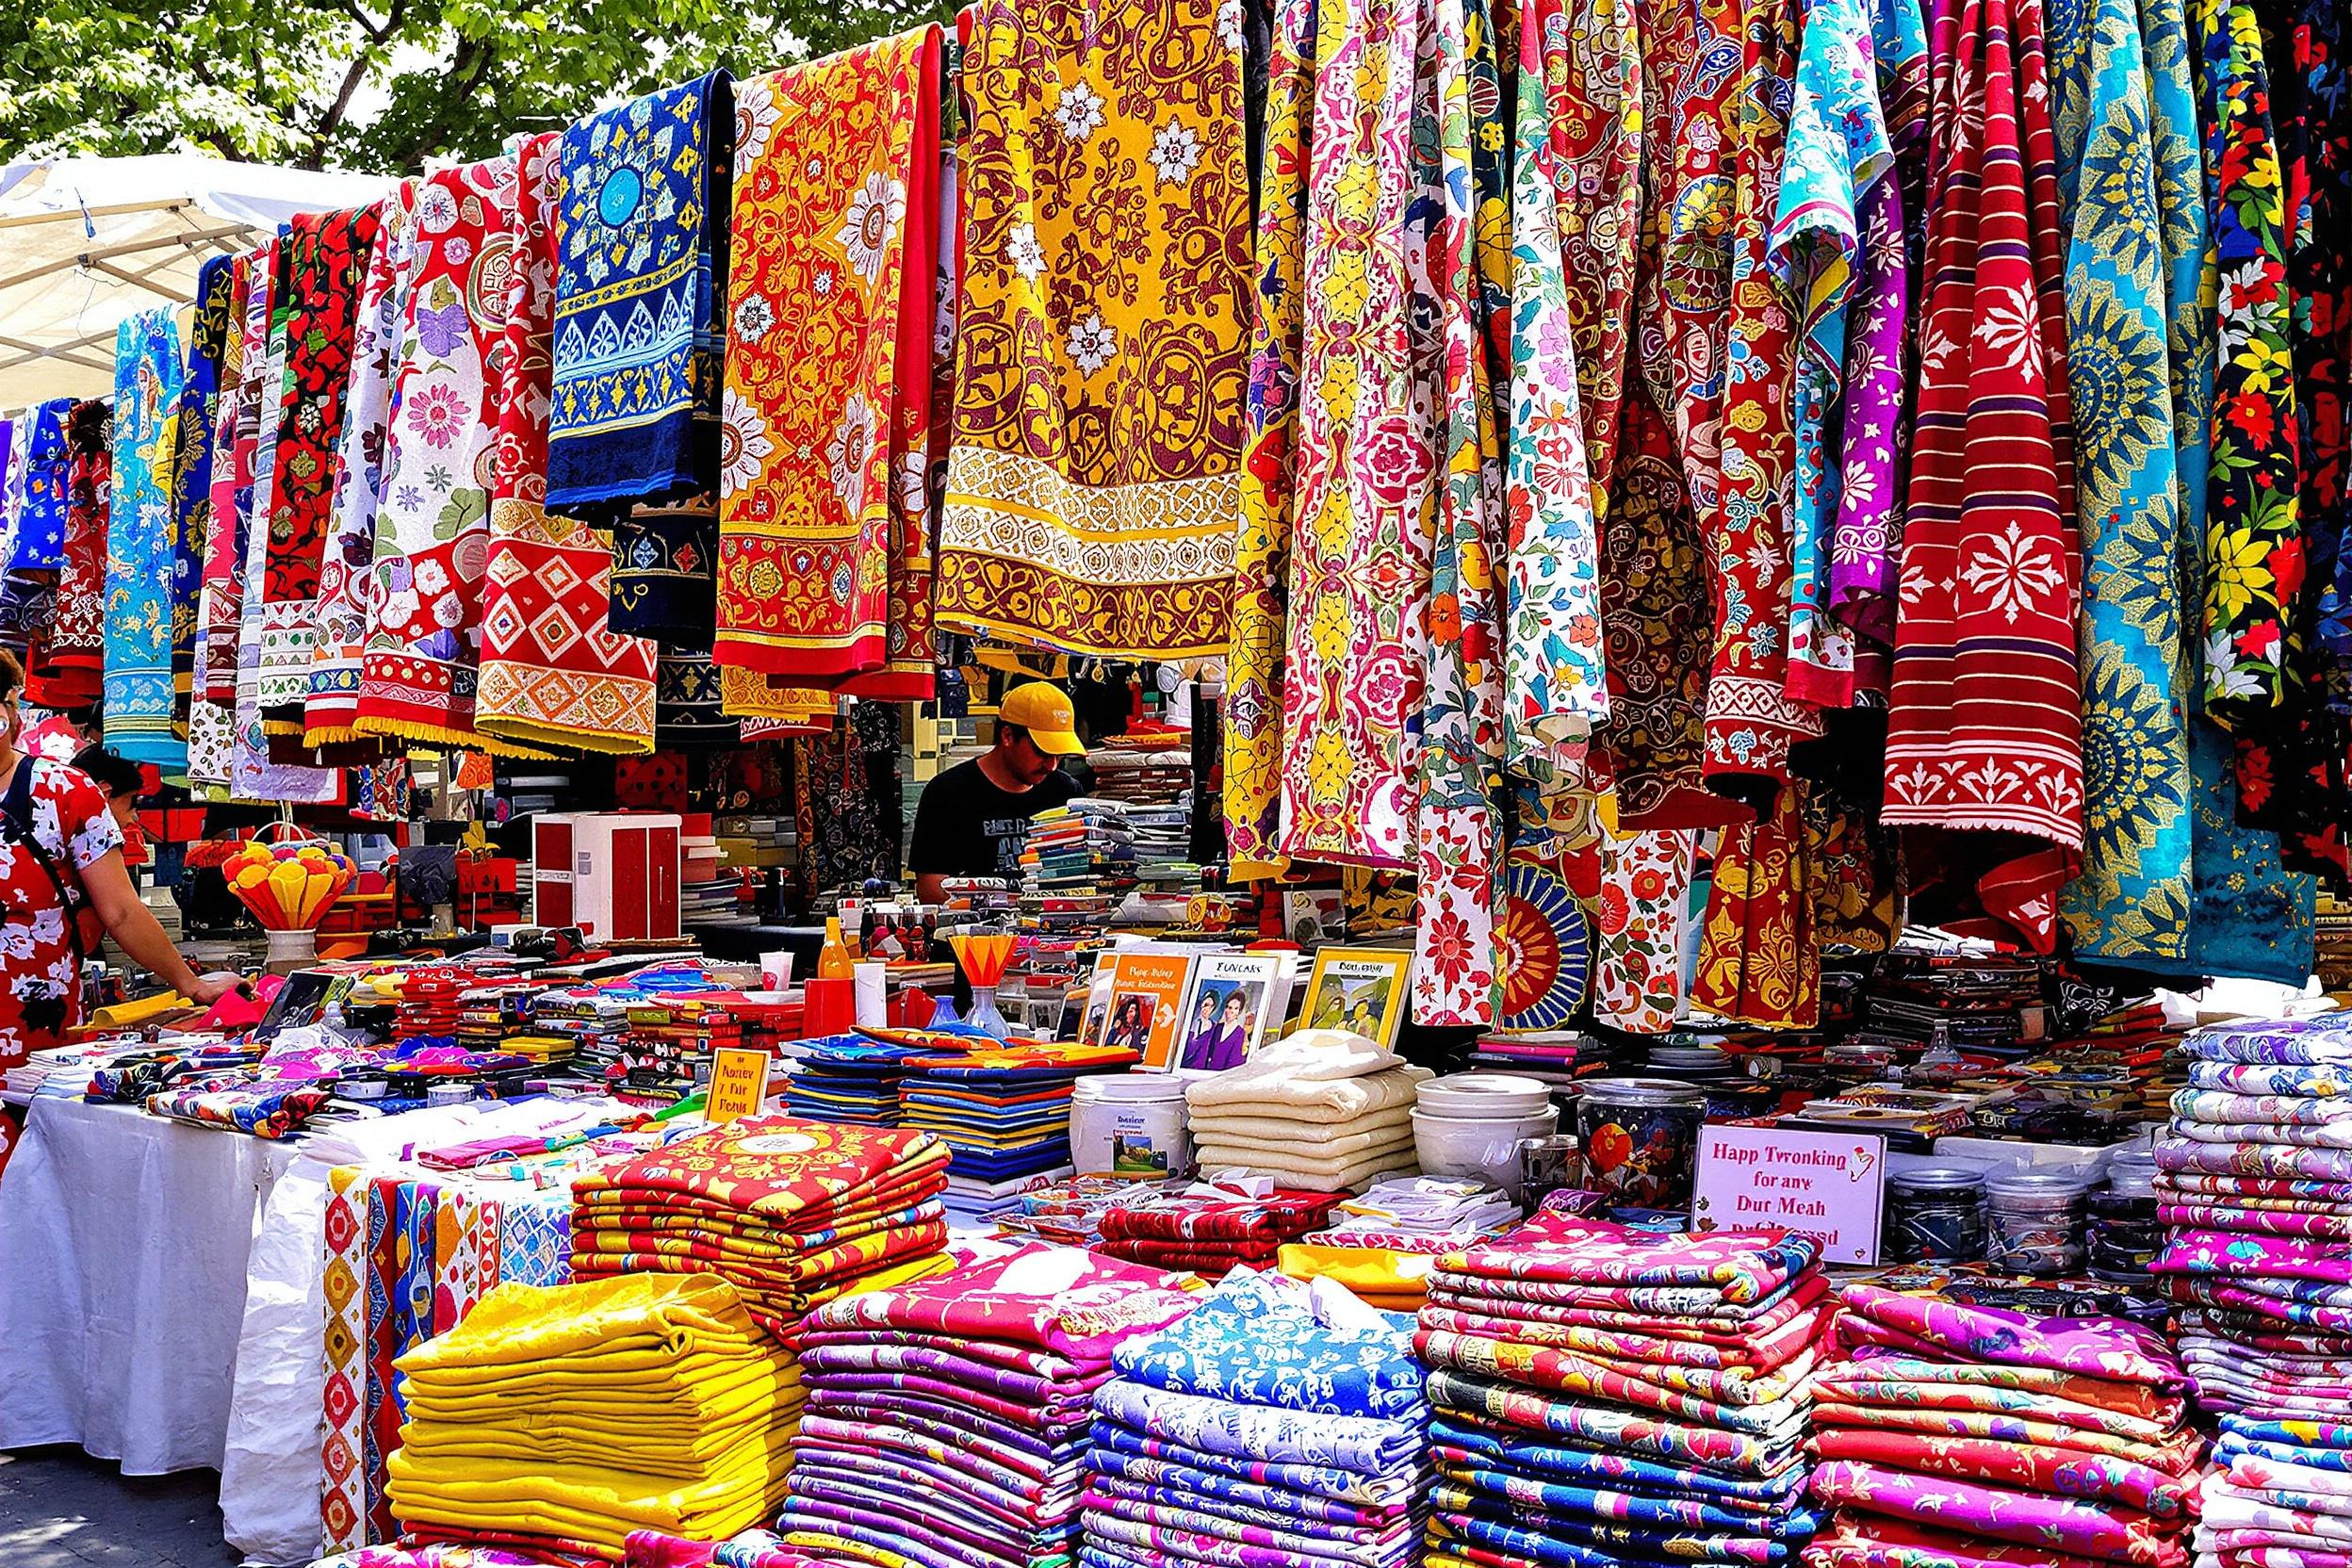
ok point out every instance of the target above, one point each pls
(209, 989)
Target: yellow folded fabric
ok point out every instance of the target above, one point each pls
(690, 1380)
(686, 1459)
(1369, 1271)
(518, 1324)
(620, 1417)
(613, 1502)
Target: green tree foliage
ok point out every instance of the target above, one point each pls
(378, 85)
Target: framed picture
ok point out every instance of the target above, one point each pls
(1357, 988)
(1146, 1004)
(1098, 1011)
(1235, 1002)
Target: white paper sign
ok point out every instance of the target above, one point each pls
(1822, 1185)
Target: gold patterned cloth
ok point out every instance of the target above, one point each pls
(1095, 475)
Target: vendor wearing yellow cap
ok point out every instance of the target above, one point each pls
(973, 818)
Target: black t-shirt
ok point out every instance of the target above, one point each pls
(967, 827)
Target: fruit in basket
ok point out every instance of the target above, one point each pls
(289, 886)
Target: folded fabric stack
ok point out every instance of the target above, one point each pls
(1069, 1210)
(1324, 1111)
(1383, 1244)
(1002, 1107)
(791, 1213)
(847, 1079)
(1208, 1228)
(947, 1419)
(2254, 1186)
(1952, 1434)
(572, 1417)
(1606, 1395)
(2283, 1498)
(1279, 1425)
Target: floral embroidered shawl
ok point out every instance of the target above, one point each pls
(824, 548)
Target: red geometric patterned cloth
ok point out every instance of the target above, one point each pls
(553, 671)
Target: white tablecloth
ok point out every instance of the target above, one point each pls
(124, 1240)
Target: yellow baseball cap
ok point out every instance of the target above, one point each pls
(1041, 708)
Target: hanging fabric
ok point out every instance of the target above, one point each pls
(1759, 959)
(346, 594)
(640, 259)
(553, 673)
(824, 548)
(191, 499)
(2116, 184)
(326, 257)
(1459, 840)
(1751, 720)
(1985, 731)
(149, 373)
(1366, 464)
(1252, 708)
(68, 662)
(417, 675)
(1093, 479)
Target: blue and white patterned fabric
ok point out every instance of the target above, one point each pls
(1262, 1339)
(641, 222)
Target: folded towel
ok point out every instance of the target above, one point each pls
(1317, 1069)
(1275, 1130)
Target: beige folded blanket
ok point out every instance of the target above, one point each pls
(1316, 1070)
(1275, 1133)
(1342, 1146)
(1352, 1176)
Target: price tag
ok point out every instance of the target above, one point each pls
(739, 1084)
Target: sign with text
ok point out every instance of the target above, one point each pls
(1822, 1185)
(739, 1084)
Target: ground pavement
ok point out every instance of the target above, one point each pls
(61, 1509)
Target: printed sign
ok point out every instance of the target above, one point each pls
(1821, 1184)
(739, 1084)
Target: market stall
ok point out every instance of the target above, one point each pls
(1223, 784)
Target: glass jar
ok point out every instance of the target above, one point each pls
(1935, 1214)
(2033, 1222)
(1640, 1139)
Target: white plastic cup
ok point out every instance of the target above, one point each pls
(776, 970)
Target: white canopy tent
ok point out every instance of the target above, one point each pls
(85, 242)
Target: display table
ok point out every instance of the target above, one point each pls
(124, 1243)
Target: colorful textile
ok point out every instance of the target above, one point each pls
(346, 593)
(1458, 848)
(641, 248)
(1840, 150)
(825, 544)
(147, 372)
(1095, 471)
(553, 673)
(418, 674)
(326, 258)
(2062, 1524)
(1760, 960)
(2131, 900)
(65, 670)
(1751, 721)
(1985, 725)
(2253, 547)
(343, 1493)
(1556, 690)
(39, 538)
(191, 497)
(1260, 1339)
(1365, 487)
(1252, 713)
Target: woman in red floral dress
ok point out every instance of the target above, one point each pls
(61, 852)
